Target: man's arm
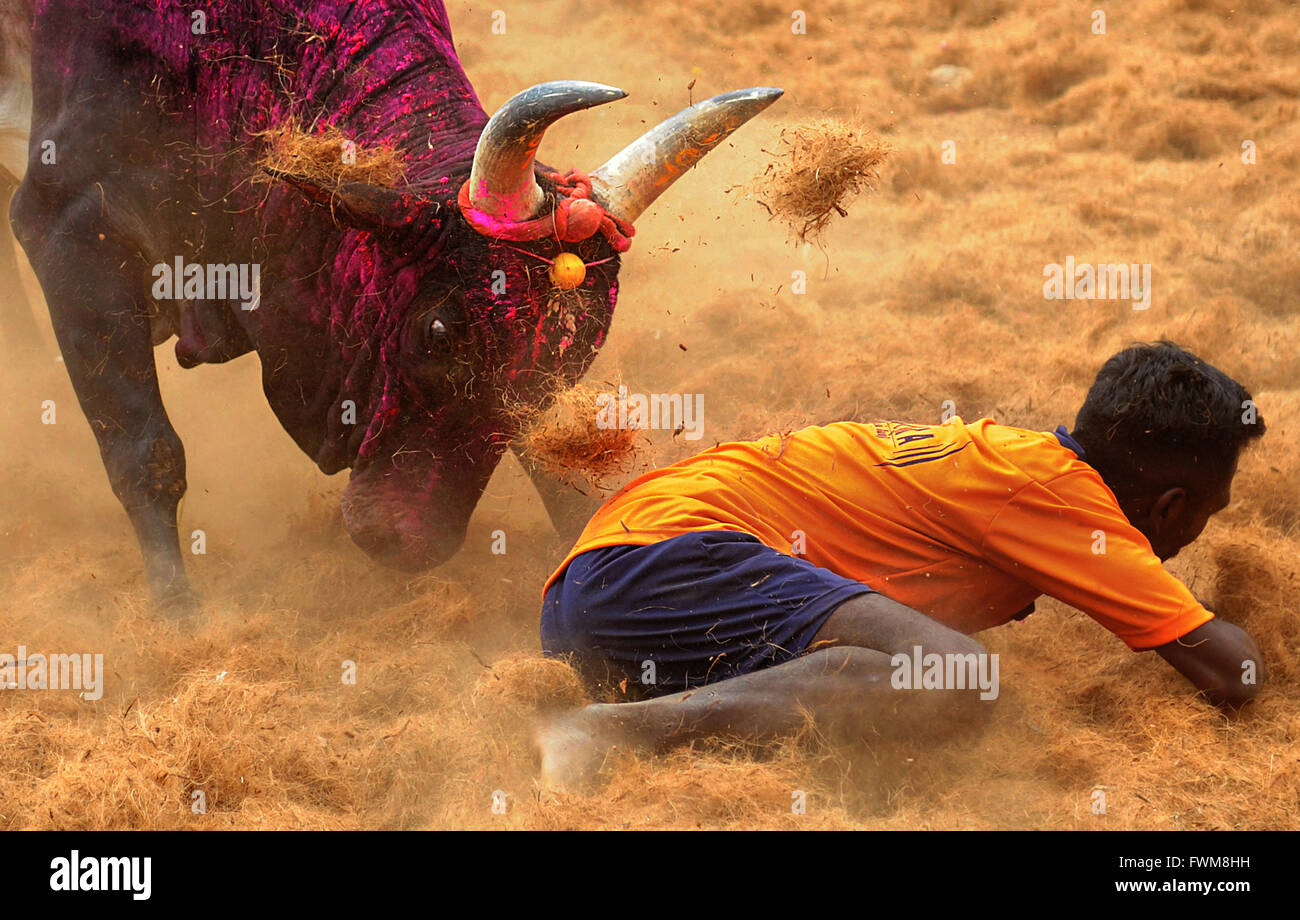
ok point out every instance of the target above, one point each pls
(1070, 540)
(1221, 659)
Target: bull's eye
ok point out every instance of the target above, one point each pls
(437, 337)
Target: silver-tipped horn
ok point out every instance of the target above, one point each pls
(633, 178)
(502, 183)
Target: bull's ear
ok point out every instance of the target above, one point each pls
(373, 208)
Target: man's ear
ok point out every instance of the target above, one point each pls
(1168, 508)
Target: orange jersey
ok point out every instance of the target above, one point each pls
(967, 523)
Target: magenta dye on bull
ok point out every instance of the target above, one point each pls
(392, 332)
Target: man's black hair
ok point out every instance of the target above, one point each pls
(1157, 412)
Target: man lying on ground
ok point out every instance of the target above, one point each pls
(760, 583)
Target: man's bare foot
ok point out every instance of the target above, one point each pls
(575, 746)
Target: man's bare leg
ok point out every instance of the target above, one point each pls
(843, 684)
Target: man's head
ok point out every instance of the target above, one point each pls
(1164, 429)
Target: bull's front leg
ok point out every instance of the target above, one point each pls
(17, 324)
(568, 509)
(95, 284)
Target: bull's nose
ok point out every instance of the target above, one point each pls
(408, 554)
(400, 540)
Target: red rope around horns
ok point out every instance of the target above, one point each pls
(576, 216)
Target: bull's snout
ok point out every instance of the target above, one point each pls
(395, 531)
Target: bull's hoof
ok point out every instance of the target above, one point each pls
(179, 603)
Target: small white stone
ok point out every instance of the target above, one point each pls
(949, 76)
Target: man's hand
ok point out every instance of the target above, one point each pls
(1222, 660)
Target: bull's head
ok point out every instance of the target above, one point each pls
(475, 318)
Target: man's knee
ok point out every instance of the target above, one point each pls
(875, 621)
(955, 643)
(970, 681)
(943, 690)
(951, 678)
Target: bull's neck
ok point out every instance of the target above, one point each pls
(386, 73)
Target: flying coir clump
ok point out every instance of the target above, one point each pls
(818, 169)
(569, 440)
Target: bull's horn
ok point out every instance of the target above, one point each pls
(633, 178)
(502, 183)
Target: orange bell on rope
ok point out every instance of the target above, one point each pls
(568, 271)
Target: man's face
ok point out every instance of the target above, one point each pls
(1177, 516)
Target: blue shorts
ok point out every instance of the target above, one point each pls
(686, 611)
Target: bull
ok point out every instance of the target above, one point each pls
(396, 324)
